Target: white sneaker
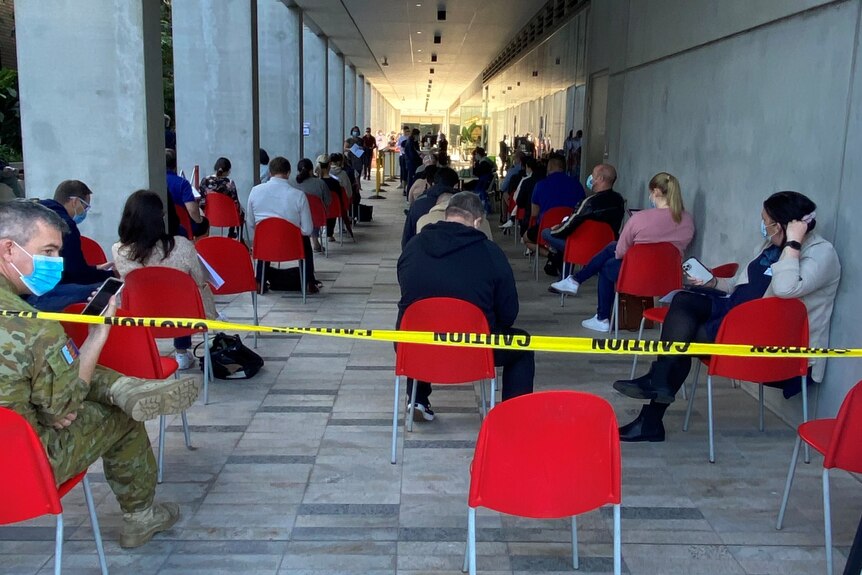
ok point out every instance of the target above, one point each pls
(596, 324)
(185, 359)
(567, 285)
(507, 225)
(420, 412)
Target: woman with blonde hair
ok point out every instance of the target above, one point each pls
(665, 221)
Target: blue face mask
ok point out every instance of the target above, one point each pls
(651, 201)
(590, 182)
(46, 274)
(79, 218)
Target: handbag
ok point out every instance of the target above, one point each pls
(631, 311)
(231, 359)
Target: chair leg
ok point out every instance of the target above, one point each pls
(709, 414)
(412, 403)
(827, 521)
(208, 368)
(618, 536)
(395, 420)
(575, 558)
(256, 320)
(466, 566)
(807, 451)
(493, 392)
(616, 316)
(161, 462)
(791, 471)
(482, 398)
(635, 358)
(471, 539)
(760, 407)
(94, 521)
(262, 277)
(302, 279)
(187, 434)
(563, 295)
(58, 546)
(691, 397)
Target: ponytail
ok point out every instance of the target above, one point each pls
(222, 167)
(669, 187)
(304, 170)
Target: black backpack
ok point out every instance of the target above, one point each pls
(231, 359)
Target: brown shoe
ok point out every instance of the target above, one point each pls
(139, 527)
(144, 399)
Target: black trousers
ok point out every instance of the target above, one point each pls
(309, 263)
(519, 370)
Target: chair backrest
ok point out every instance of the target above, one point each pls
(93, 252)
(441, 364)
(588, 239)
(231, 260)
(185, 220)
(77, 332)
(318, 211)
(277, 240)
(334, 209)
(650, 270)
(163, 292)
(547, 455)
(725, 270)
(845, 449)
(27, 487)
(221, 211)
(766, 322)
(551, 218)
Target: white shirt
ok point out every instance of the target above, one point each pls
(278, 199)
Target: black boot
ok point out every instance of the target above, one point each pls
(653, 385)
(647, 426)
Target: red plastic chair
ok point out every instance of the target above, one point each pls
(766, 322)
(549, 219)
(94, 255)
(547, 455)
(221, 211)
(439, 364)
(648, 270)
(838, 440)
(28, 488)
(278, 240)
(231, 260)
(318, 220)
(168, 293)
(185, 220)
(582, 245)
(335, 211)
(519, 217)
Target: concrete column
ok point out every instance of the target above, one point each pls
(92, 110)
(279, 40)
(314, 92)
(360, 100)
(366, 107)
(216, 87)
(335, 102)
(349, 95)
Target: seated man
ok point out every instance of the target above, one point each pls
(180, 191)
(81, 412)
(445, 180)
(278, 199)
(453, 258)
(438, 213)
(556, 190)
(72, 200)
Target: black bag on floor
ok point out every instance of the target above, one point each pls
(365, 213)
(287, 279)
(231, 359)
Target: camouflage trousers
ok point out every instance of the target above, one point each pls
(102, 430)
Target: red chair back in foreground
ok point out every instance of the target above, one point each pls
(27, 486)
(278, 240)
(547, 455)
(838, 440)
(439, 364)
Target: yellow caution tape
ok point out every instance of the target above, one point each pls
(557, 344)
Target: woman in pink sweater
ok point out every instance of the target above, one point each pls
(666, 221)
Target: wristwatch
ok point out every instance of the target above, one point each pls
(793, 244)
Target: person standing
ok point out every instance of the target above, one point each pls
(369, 145)
(504, 152)
(401, 143)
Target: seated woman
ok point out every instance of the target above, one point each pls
(221, 183)
(666, 221)
(312, 186)
(794, 262)
(144, 243)
(424, 180)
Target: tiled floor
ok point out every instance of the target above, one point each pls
(290, 473)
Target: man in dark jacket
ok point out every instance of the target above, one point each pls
(453, 258)
(72, 202)
(445, 180)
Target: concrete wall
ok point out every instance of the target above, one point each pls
(92, 110)
(335, 102)
(349, 99)
(741, 99)
(314, 96)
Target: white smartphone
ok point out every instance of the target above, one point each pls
(696, 270)
(97, 305)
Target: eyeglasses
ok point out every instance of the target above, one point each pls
(84, 203)
(772, 224)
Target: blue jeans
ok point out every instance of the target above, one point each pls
(605, 265)
(557, 244)
(62, 296)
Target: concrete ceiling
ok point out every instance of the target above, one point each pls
(402, 32)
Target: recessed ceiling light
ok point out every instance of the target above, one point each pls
(419, 31)
(418, 4)
(419, 50)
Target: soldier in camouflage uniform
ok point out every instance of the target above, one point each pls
(80, 411)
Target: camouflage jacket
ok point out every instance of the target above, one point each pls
(38, 366)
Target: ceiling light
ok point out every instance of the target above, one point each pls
(419, 5)
(431, 70)
(433, 57)
(441, 14)
(437, 38)
(419, 50)
(419, 31)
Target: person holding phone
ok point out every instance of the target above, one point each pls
(793, 262)
(81, 412)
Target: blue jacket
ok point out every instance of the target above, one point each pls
(75, 268)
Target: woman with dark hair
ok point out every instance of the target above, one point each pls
(264, 165)
(144, 243)
(312, 186)
(793, 262)
(221, 183)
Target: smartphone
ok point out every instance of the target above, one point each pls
(696, 270)
(99, 303)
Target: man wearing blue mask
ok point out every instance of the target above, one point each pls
(72, 203)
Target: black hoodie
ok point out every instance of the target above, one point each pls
(449, 259)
